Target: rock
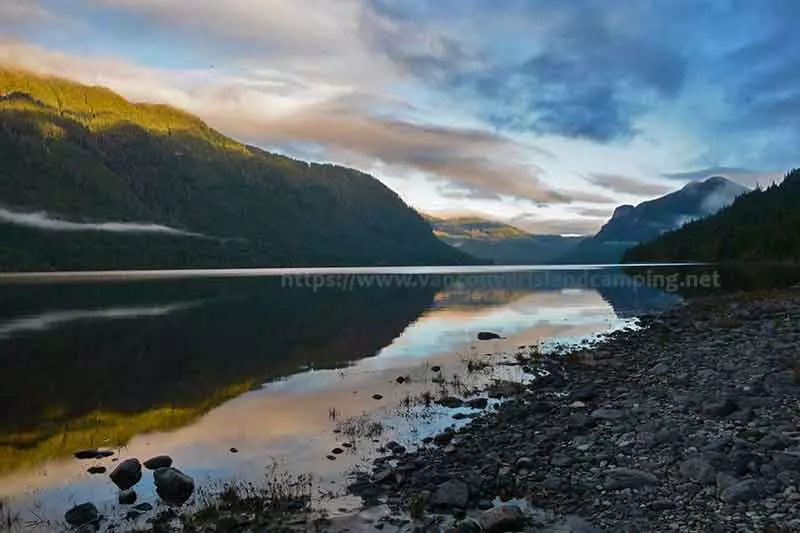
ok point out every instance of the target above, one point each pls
(469, 526)
(337, 451)
(84, 513)
(127, 497)
(377, 397)
(330, 457)
(453, 493)
(773, 441)
(96, 470)
(234, 450)
(607, 414)
(478, 403)
(395, 447)
(143, 507)
(698, 470)
(173, 486)
(661, 369)
(628, 478)
(525, 463)
(159, 461)
(743, 491)
(487, 336)
(93, 454)
(436, 368)
(127, 473)
(662, 505)
(443, 438)
(667, 436)
(502, 518)
(584, 394)
(720, 408)
(786, 461)
(724, 481)
(132, 515)
(450, 402)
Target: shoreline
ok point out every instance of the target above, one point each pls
(689, 424)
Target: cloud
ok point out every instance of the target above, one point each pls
(556, 226)
(626, 185)
(43, 221)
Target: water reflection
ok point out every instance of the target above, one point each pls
(193, 367)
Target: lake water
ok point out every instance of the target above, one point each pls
(280, 365)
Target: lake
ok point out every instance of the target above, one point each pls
(241, 374)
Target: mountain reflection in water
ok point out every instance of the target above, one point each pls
(190, 366)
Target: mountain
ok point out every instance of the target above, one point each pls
(90, 180)
(630, 225)
(501, 243)
(763, 225)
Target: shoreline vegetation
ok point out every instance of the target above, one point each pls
(689, 423)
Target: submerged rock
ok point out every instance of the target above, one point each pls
(127, 474)
(93, 454)
(84, 513)
(173, 486)
(487, 336)
(127, 497)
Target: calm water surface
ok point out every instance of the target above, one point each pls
(281, 369)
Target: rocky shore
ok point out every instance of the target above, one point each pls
(687, 424)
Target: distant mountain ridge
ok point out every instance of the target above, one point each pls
(499, 242)
(762, 225)
(79, 160)
(631, 225)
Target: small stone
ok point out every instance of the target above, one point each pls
(377, 397)
(443, 438)
(661, 369)
(469, 526)
(234, 450)
(743, 491)
(628, 478)
(487, 336)
(607, 414)
(337, 451)
(159, 461)
(143, 507)
(400, 380)
(84, 513)
(436, 368)
(525, 463)
(97, 470)
(330, 457)
(127, 497)
(662, 505)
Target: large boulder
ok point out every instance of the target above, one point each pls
(127, 474)
(173, 486)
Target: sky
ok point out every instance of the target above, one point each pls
(543, 113)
